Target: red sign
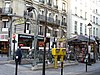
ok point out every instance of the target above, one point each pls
(14, 36)
(40, 43)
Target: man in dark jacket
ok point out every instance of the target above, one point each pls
(19, 54)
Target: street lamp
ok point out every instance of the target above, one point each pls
(88, 50)
(89, 26)
(89, 47)
(35, 29)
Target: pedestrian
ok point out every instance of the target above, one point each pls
(19, 54)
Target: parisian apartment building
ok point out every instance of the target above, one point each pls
(80, 14)
(25, 20)
(57, 20)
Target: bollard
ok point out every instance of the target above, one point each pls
(61, 67)
(86, 58)
(86, 65)
(16, 60)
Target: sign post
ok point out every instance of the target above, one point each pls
(14, 41)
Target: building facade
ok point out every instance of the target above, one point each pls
(46, 16)
(80, 14)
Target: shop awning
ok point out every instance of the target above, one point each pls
(81, 38)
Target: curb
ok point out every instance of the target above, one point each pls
(48, 66)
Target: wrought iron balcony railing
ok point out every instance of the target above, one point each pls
(57, 22)
(50, 20)
(64, 23)
(7, 10)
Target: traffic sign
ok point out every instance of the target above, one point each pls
(14, 36)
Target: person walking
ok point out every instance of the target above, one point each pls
(19, 54)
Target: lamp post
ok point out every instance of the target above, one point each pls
(35, 29)
(87, 53)
(89, 47)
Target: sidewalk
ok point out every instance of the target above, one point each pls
(27, 69)
(48, 66)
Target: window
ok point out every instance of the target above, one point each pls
(64, 20)
(94, 31)
(5, 24)
(41, 1)
(75, 10)
(7, 4)
(56, 2)
(81, 13)
(49, 2)
(56, 17)
(93, 19)
(27, 26)
(91, 31)
(85, 29)
(75, 26)
(42, 12)
(49, 14)
(85, 15)
(96, 20)
(7, 8)
(63, 7)
(40, 30)
(96, 11)
(80, 28)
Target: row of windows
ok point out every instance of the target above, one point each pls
(53, 2)
(95, 30)
(81, 13)
(94, 19)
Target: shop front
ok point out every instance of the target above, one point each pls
(26, 42)
(4, 45)
(79, 46)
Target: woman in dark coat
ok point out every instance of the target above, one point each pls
(19, 54)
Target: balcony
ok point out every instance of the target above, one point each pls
(7, 10)
(64, 23)
(50, 20)
(40, 33)
(41, 1)
(41, 17)
(57, 22)
(49, 4)
(55, 6)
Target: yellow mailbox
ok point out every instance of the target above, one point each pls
(55, 51)
(63, 51)
(58, 52)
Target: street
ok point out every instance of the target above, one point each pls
(95, 72)
(9, 69)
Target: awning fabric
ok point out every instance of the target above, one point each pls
(81, 38)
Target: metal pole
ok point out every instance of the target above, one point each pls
(86, 65)
(36, 34)
(16, 61)
(88, 50)
(62, 68)
(14, 49)
(43, 70)
(16, 68)
(10, 37)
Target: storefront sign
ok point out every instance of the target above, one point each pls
(3, 37)
(25, 36)
(19, 21)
